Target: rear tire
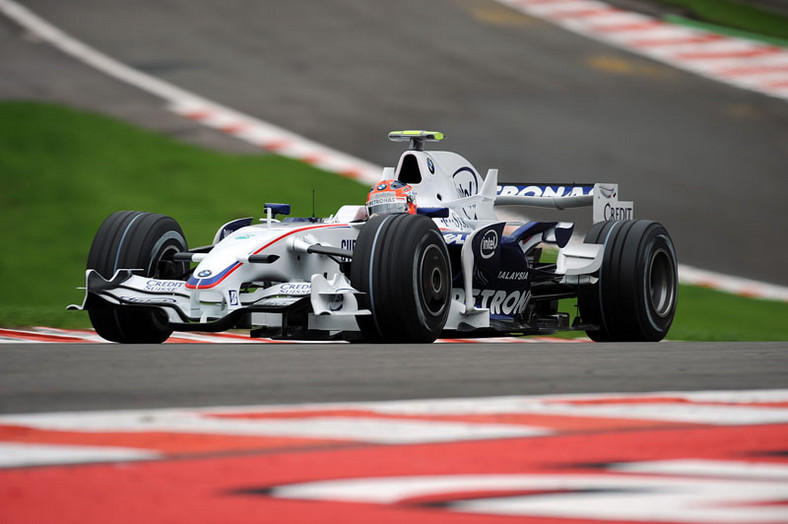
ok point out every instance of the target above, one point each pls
(635, 297)
(135, 240)
(402, 264)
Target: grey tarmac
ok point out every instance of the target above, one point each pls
(65, 377)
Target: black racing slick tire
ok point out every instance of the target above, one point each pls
(402, 265)
(635, 296)
(141, 241)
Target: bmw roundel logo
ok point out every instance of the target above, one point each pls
(205, 273)
(382, 186)
(430, 165)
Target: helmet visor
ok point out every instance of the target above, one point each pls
(387, 205)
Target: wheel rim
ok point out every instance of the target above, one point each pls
(662, 282)
(163, 266)
(433, 280)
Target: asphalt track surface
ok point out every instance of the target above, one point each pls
(42, 377)
(512, 92)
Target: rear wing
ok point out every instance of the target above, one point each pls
(602, 197)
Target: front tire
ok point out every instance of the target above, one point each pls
(402, 264)
(135, 240)
(635, 296)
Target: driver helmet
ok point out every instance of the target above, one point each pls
(391, 196)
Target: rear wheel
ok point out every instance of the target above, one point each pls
(402, 264)
(635, 296)
(135, 240)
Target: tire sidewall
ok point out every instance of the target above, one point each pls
(620, 303)
(387, 262)
(431, 244)
(655, 243)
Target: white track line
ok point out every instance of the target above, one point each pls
(189, 105)
(737, 286)
(719, 408)
(18, 454)
(588, 17)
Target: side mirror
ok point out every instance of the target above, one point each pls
(278, 209)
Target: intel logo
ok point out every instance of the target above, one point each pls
(489, 244)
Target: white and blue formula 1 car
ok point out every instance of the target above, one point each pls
(427, 256)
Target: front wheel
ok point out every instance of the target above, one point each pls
(635, 296)
(402, 264)
(142, 241)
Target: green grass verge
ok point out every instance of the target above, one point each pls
(709, 315)
(63, 171)
(705, 314)
(737, 15)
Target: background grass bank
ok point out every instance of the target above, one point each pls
(741, 16)
(63, 171)
(708, 315)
